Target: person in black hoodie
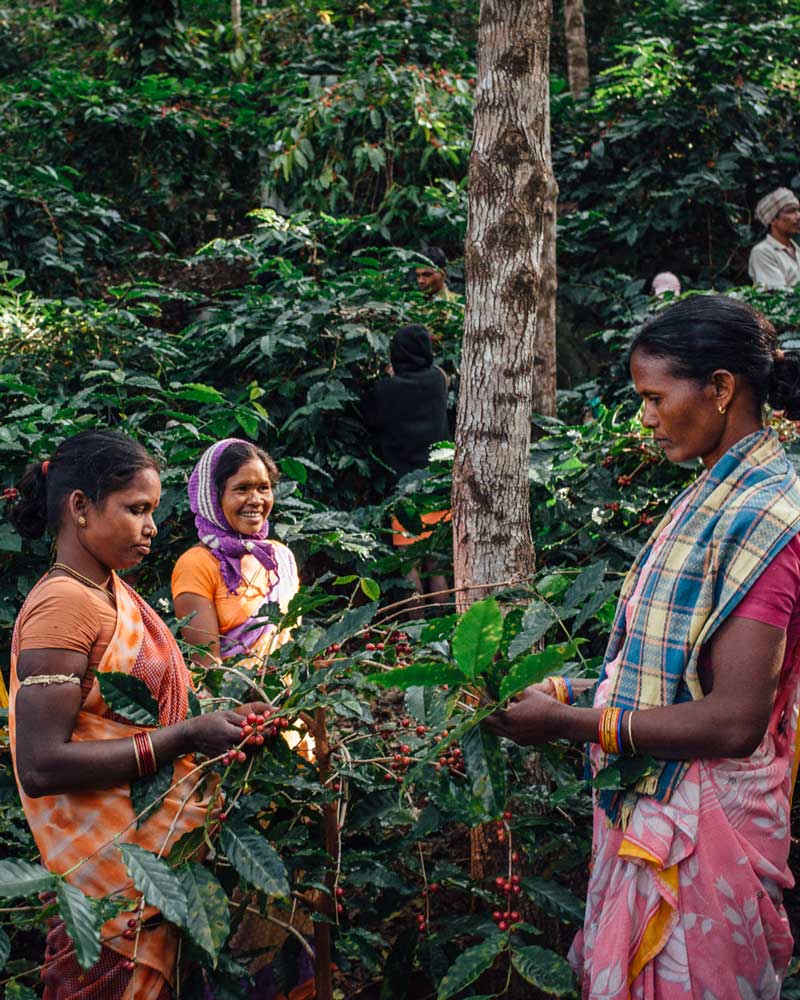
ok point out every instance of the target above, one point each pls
(408, 413)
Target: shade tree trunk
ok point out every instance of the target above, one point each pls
(509, 269)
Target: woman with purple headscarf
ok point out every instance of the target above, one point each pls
(235, 569)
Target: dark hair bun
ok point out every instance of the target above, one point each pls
(784, 386)
(97, 462)
(28, 513)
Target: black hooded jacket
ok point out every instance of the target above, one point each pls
(408, 410)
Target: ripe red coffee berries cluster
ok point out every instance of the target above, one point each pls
(452, 759)
(255, 730)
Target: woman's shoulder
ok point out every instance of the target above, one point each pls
(197, 555)
(60, 612)
(61, 590)
(196, 571)
(282, 551)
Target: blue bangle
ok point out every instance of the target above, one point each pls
(619, 732)
(570, 691)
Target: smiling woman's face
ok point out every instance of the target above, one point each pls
(247, 498)
(682, 414)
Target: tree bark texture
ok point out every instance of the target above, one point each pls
(544, 348)
(510, 186)
(577, 55)
(236, 22)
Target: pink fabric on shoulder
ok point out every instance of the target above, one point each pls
(775, 596)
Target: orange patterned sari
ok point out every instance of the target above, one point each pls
(76, 831)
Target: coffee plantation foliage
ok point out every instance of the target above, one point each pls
(204, 236)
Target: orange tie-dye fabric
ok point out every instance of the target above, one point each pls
(76, 832)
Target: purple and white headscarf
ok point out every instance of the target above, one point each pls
(213, 530)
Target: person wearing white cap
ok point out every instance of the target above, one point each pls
(775, 261)
(666, 281)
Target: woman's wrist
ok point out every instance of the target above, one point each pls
(173, 741)
(581, 724)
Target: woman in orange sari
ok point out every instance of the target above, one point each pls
(75, 758)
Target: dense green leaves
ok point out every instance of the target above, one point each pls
(255, 859)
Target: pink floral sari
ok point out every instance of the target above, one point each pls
(687, 902)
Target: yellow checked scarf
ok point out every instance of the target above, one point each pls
(731, 523)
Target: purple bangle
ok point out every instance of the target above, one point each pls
(619, 732)
(570, 691)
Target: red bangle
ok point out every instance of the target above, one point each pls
(145, 754)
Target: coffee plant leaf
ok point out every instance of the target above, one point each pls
(159, 884)
(534, 668)
(148, 792)
(350, 623)
(83, 922)
(209, 920)
(584, 584)
(545, 970)
(22, 878)
(129, 697)
(255, 859)
(486, 767)
(469, 965)
(538, 618)
(477, 637)
(5, 948)
(423, 675)
(16, 991)
(555, 899)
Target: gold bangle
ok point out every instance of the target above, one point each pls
(136, 755)
(631, 745)
(608, 730)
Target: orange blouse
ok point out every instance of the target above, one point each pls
(198, 571)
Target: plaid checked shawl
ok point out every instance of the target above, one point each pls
(737, 518)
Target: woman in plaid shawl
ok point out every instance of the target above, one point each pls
(702, 673)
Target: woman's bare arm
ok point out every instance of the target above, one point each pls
(50, 762)
(730, 721)
(203, 629)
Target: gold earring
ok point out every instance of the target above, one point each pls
(722, 409)
(81, 521)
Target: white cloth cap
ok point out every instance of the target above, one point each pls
(772, 203)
